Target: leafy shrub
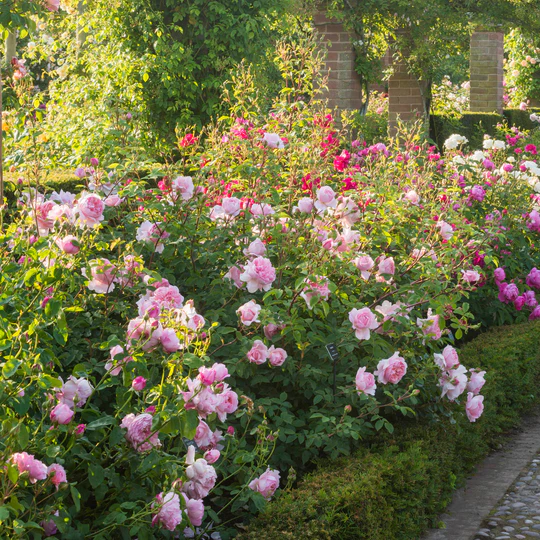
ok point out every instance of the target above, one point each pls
(396, 488)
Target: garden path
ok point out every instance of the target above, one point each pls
(507, 485)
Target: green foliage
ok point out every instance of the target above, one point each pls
(397, 487)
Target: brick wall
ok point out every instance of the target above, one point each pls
(344, 88)
(487, 53)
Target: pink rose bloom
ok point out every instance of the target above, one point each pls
(75, 391)
(147, 333)
(276, 357)
(169, 340)
(202, 478)
(80, 429)
(476, 381)
(364, 263)
(117, 350)
(138, 383)
(200, 397)
(215, 374)
(67, 245)
(305, 205)
(533, 279)
(365, 382)
(255, 249)
(392, 369)
(44, 216)
(471, 276)
(227, 402)
(62, 414)
(262, 209)
(249, 313)
(52, 5)
(474, 407)
(387, 309)
(139, 432)
(519, 302)
(447, 230)
(363, 320)
(326, 198)
(499, 274)
(271, 330)
(59, 475)
(266, 484)
(430, 325)
(203, 435)
(448, 359)
(535, 314)
(194, 510)
(184, 186)
(49, 527)
(259, 274)
(258, 353)
(511, 292)
(530, 299)
(152, 233)
(169, 515)
(234, 275)
(36, 469)
(412, 197)
(90, 210)
(273, 140)
(103, 275)
(212, 456)
(113, 200)
(387, 266)
(314, 290)
(229, 208)
(454, 383)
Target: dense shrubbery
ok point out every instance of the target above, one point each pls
(398, 486)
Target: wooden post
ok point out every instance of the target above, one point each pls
(10, 47)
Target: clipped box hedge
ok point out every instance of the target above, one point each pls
(396, 488)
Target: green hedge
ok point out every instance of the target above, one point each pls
(396, 488)
(475, 125)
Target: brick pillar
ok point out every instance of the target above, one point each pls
(344, 88)
(487, 53)
(406, 98)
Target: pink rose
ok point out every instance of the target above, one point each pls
(194, 510)
(49, 527)
(214, 374)
(255, 249)
(117, 350)
(364, 263)
(314, 290)
(169, 514)
(62, 414)
(454, 382)
(305, 205)
(184, 186)
(530, 299)
(499, 274)
(266, 484)
(392, 369)
(68, 244)
(152, 233)
(533, 279)
(113, 200)
(146, 333)
(262, 209)
(474, 407)
(212, 456)
(363, 320)
(276, 357)
(227, 402)
(476, 382)
(430, 325)
(446, 230)
(202, 478)
(387, 266)
(52, 5)
(326, 198)
(169, 340)
(203, 435)
(259, 274)
(234, 275)
(75, 390)
(90, 210)
(258, 353)
(249, 313)
(138, 383)
(365, 382)
(36, 469)
(103, 275)
(273, 140)
(139, 432)
(471, 276)
(448, 359)
(59, 475)
(412, 197)
(271, 330)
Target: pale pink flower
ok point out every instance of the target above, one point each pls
(430, 325)
(387, 266)
(454, 382)
(138, 383)
(139, 432)
(412, 197)
(391, 370)
(102, 274)
(62, 414)
(52, 5)
(145, 332)
(249, 313)
(194, 510)
(229, 208)
(261, 209)
(216, 373)
(273, 140)
(365, 382)
(36, 469)
(363, 320)
(203, 435)
(258, 354)
(471, 276)
(364, 263)
(259, 274)
(276, 357)
(266, 484)
(113, 200)
(67, 244)
(169, 340)
(255, 249)
(448, 359)
(387, 309)
(476, 382)
(474, 407)
(59, 475)
(270, 330)
(305, 205)
(314, 290)
(184, 186)
(152, 233)
(169, 514)
(44, 216)
(117, 350)
(75, 391)
(326, 198)
(227, 402)
(234, 275)
(200, 397)
(446, 230)
(90, 210)
(202, 478)
(212, 456)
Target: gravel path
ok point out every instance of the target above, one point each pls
(517, 516)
